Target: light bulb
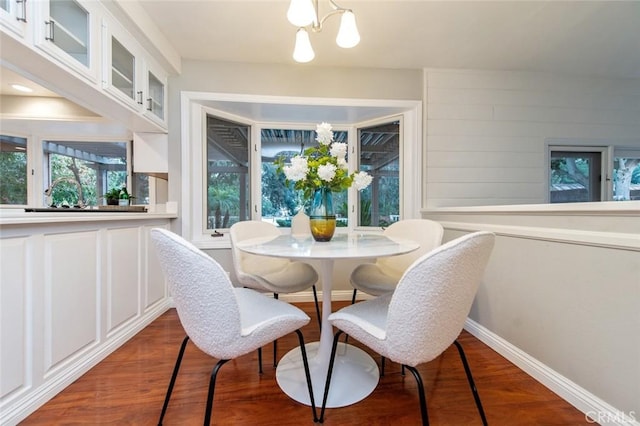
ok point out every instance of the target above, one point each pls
(348, 35)
(303, 52)
(301, 13)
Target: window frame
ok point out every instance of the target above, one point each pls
(609, 149)
(30, 169)
(404, 180)
(196, 105)
(36, 176)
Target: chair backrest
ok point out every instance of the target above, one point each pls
(427, 233)
(202, 292)
(433, 298)
(300, 224)
(246, 263)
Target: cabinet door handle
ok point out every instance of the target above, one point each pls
(23, 3)
(149, 104)
(51, 24)
(140, 97)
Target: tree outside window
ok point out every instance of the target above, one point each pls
(13, 170)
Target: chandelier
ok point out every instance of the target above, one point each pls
(303, 13)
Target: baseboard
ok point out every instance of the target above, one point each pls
(29, 401)
(597, 410)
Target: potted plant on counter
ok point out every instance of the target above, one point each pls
(112, 196)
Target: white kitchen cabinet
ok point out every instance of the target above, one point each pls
(14, 15)
(72, 292)
(131, 76)
(121, 65)
(155, 86)
(83, 50)
(69, 31)
(151, 153)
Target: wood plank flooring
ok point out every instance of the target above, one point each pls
(128, 388)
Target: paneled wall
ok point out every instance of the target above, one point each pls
(486, 131)
(561, 302)
(71, 294)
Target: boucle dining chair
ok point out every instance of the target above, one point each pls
(269, 274)
(382, 276)
(223, 321)
(424, 315)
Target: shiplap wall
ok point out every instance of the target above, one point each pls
(486, 131)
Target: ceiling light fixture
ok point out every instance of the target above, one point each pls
(21, 88)
(303, 13)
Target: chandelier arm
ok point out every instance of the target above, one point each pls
(316, 26)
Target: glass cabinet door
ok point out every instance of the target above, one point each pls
(123, 69)
(68, 29)
(155, 101)
(13, 16)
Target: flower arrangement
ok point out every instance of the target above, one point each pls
(324, 166)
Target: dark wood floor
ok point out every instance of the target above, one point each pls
(128, 388)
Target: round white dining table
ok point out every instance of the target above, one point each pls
(355, 373)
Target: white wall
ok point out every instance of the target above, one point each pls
(561, 302)
(485, 131)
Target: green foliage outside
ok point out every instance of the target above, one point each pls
(223, 198)
(13, 178)
(80, 170)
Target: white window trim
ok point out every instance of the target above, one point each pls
(193, 107)
(577, 145)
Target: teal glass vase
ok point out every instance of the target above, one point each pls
(321, 216)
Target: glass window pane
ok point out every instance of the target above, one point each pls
(97, 166)
(227, 173)
(140, 188)
(70, 30)
(380, 156)
(280, 202)
(575, 176)
(626, 178)
(13, 170)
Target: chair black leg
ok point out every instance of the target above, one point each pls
(472, 385)
(329, 372)
(307, 374)
(172, 382)
(212, 387)
(275, 343)
(421, 394)
(260, 360)
(382, 363)
(315, 299)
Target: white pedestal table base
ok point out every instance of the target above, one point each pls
(355, 375)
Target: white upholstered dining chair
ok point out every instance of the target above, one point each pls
(222, 321)
(269, 274)
(382, 276)
(424, 315)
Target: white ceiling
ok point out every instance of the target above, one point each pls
(599, 38)
(9, 77)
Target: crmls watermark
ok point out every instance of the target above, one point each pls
(604, 417)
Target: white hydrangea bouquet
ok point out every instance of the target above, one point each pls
(324, 166)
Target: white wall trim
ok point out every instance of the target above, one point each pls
(619, 241)
(577, 396)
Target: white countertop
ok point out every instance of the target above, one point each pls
(20, 217)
